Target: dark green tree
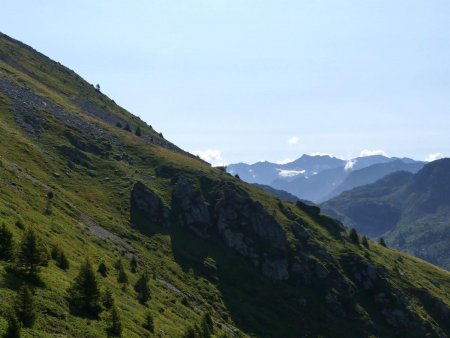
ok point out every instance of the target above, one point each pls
(382, 242)
(115, 327)
(353, 235)
(102, 269)
(364, 241)
(6, 244)
(25, 308)
(149, 323)
(84, 294)
(32, 254)
(61, 261)
(192, 332)
(133, 264)
(13, 329)
(108, 299)
(142, 288)
(48, 208)
(127, 127)
(206, 325)
(54, 252)
(122, 276)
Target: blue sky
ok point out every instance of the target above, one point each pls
(252, 80)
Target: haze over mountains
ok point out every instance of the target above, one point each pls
(411, 211)
(217, 255)
(318, 178)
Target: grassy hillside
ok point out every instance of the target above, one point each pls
(211, 243)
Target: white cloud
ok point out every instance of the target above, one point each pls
(285, 161)
(434, 157)
(213, 156)
(293, 140)
(349, 165)
(289, 173)
(367, 152)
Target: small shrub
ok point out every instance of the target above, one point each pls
(149, 323)
(102, 269)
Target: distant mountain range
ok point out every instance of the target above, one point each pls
(318, 178)
(412, 211)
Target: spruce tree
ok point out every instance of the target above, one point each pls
(25, 307)
(206, 325)
(13, 329)
(149, 323)
(115, 327)
(127, 127)
(353, 235)
(84, 294)
(122, 276)
(32, 254)
(382, 242)
(143, 289)
(61, 261)
(102, 269)
(108, 299)
(364, 241)
(133, 264)
(6, 244)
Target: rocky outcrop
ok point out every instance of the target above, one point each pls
(246, 227)
(189, 207)
(147, 206)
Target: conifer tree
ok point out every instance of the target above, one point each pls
(108, 299)
(122, 276)
(382, 242)
(206, 325)
(364, 241)
(353, 235)
(61, 261)
(25, 307)
(13, 329)
(127, 127)
(138, 131)
(149, 323)
(32, 254)
(6, 244)
(133, 264)
(102, 269)
(84, 294)
(143, 289)
(115, 327)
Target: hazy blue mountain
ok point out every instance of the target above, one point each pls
(412, 211)
(318, 178)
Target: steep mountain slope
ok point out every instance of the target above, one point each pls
(318, 178)
(76, 169)
(411, 211)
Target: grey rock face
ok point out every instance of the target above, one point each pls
(190, 206)
(148, 204)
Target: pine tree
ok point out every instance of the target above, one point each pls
(25, 308)
(122, 276)
(48, 208)
(32, 254)
(13, 329)
(142, 288)
(133, 264)
(191, 332)
(84, 294)
(115, 328)
(382, 242)
(61, 261)
(127, 127)
(149, 323)
(6, 244)
(206, 325)
(102, 269)
(353, 235)
(364, 241)
(108, 299)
